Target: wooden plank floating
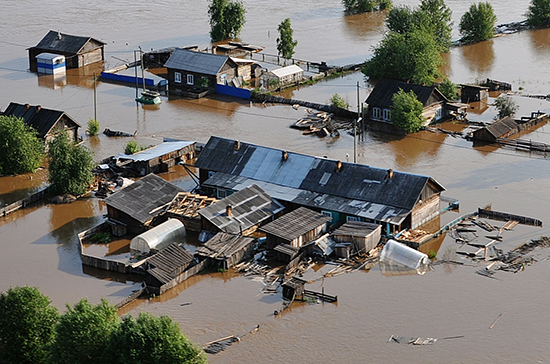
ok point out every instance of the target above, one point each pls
(503, 216)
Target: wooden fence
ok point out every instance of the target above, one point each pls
(6, 210)
(503, 216)
(258, 97)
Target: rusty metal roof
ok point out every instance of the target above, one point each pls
(296, 223)
(250, 206)
(140, 199)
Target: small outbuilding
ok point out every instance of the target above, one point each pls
(225, 250)
(78, 51)
(295, 228)
(159, 158)
(50, 64)
(133, 208)
(47, 122)
(284, 75)
(286, 253)
(241, 212)
(170, 231)
(473, 93)
(363, 235)
(294, 289)
(499, 129)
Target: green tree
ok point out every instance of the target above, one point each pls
(151, 339)
(478, 23)
(70, 166)
(285, 42)
(448, 89)
(133, 147)
(406, 111)
(506, 106)
(338, 101)
(27, 326)
(227, 18)
(84, 332)
(20, 149)
(93, 127)
(412, 57)
(364, 6)
(538, 15)
(432, 16)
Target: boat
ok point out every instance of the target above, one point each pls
(149, 97)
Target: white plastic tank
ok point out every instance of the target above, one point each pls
(395, 253)
(158, 237)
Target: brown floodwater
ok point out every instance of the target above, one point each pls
(39, 244)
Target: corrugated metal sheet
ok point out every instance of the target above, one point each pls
(41, 119)
(143, 196)
(197, 62)
(384, 90)
(156, 151)
(296, 223)
(60, 42)
(250, 206)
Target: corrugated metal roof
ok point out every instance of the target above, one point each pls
(501, 127)
(250, 206)
(171, 258)
(316, 176)
(384, 90)
(156, 151)
(287, 71)
(143, 196)
(224, 245)
(41, 119)
(60, 42)
(296, 223)
(198, 62)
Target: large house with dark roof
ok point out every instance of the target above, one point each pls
(46, 122)
(380, 103)
(78, 51)
(343, 191)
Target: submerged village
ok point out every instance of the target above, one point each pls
(290, 220)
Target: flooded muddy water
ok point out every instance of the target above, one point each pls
(39, 244)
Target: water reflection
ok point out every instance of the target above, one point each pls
(480, 57)
(541, 40)
(52, 81)
(409, 150)
(364, 25)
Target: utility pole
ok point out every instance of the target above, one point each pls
(95, 99)
(135, 73)
(142, 71)
(355, 127)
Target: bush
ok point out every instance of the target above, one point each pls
(93, 127)
(406, 111)
(478, 23)
(20, 149)
(338, 101)
(448, 89)
(132, 147)
(364, 6)
(538, 15)
(70, 166)
(506, 106)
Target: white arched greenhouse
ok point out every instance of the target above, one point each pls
(158, 237)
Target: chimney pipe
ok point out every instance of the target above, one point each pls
(284, 155)
(237, 145)
(38, 108)
(27, 106)
(229, 210)
(389, 175)
(338, 166)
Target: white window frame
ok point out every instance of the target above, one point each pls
(352, 218)
(177, 77)
(439, 113)
(190, 79)
(327, 213)
(376, 113)
(386, 114)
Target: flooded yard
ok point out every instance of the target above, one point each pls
(40, 245)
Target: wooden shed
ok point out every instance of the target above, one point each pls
(78, 51)
(363, 235)
(159, 158)
(499, 129)
(284, 75)
(224, 250)
(295, 228)
(47, 122)
(134, 208)
(473, 93)
(285, 253)
(294, 289)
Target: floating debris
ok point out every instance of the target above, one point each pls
(495, 322)
(418, 340)
(216, 346)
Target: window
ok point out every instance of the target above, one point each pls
(376, 112)
(387, 114)
(190, 80)
(177, 77)
(221, 193)
(352, 218)
(438, 113)
(327, 213)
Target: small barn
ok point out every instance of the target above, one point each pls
(284, 75)
(190, 70)
(167, 268)
(133, 208)
(380, 102)
(473, 93)
(47, 122)
(159, 158)
(185, 207)
(285, 253)
(295, 228)
(78, 51)
(499, 129)
(225, 250)
(363, 235)
(241, 212)
(170, 231)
